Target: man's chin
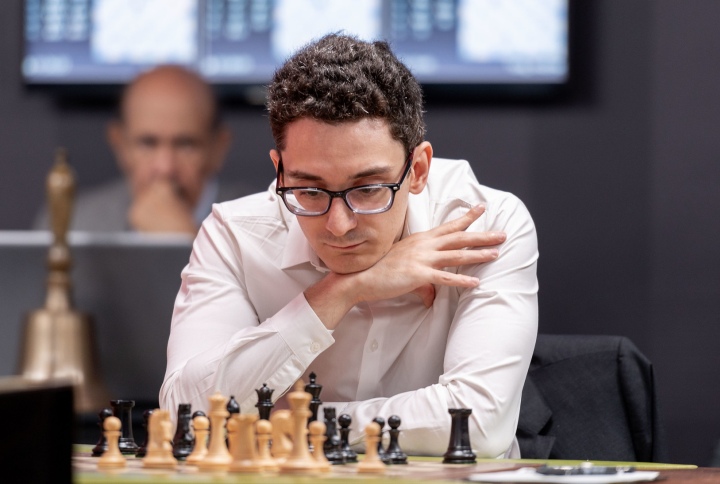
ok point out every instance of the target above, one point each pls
(349, 264)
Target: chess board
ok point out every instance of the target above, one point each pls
(428, 470)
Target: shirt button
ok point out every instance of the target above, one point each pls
(374, 345)
(315, 347)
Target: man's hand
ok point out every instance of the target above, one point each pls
(413, 265)
(160, 208)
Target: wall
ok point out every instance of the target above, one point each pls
(620, 177)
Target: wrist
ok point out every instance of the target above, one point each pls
(332, 297)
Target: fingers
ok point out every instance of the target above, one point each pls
(460, 223)
(426, 292)
(455, 258)
(461, 240)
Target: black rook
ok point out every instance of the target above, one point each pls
(459, 450)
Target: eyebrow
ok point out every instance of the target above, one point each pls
(374, 171)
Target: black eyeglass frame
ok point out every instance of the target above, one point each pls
(343, 193)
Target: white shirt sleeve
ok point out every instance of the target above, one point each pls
(217, 342)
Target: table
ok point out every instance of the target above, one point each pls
(428, 470)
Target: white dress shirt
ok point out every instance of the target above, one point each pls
(241, 319)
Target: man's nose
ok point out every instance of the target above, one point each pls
(164, 162)
(340, 219)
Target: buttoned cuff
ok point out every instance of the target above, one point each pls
(302, 330)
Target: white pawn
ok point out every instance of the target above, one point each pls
(317, 439)
(112, 458)
(371, 464)
(201, 427)
(263, 430)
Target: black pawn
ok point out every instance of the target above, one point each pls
(232, 406)
(380, 450)
(101, 445)
(122, 409)
(314, 389)
(183, 441)
(345, 421)
(394, 452)
(459, 450)
(265, 403)
(333, 444)
(146, 421)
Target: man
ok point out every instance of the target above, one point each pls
(169, 143)
(408, 290)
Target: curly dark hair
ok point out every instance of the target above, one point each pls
(341, 78)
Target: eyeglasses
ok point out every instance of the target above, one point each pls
(364, 199)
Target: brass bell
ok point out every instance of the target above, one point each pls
(58, 341)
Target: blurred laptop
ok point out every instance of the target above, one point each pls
(127, 282)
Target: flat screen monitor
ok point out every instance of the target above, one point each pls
(241, 42)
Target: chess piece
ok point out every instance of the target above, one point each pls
(317, 439)
(265, 403)
(394, 452)
(142, 450)
(282, 444)
(201, 426)
(345, 421)
(198, 413)
(58, 340)
(183, 441)
(313, 389)
(263, 431)
(241, 429)
(101, 445)
(299, 461)
(371, 464)
(112, 458)
(159, 449)
(459, 450)
(233, 407)
(333, 445)
(218, 456)
(122, 409)
(380, 450)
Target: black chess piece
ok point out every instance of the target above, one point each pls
(459, 450)
(184, 441)
(101, 445)
(122, 409)
(265, 403)
(232, 406)
(393, 451)
(345, 421)
(142, 450)
(314, 389)
(380, 450)
(333, 444)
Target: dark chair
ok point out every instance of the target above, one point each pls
(589, 397)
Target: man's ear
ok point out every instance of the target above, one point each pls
(115, 138)
(422, 157)
(275, 157)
